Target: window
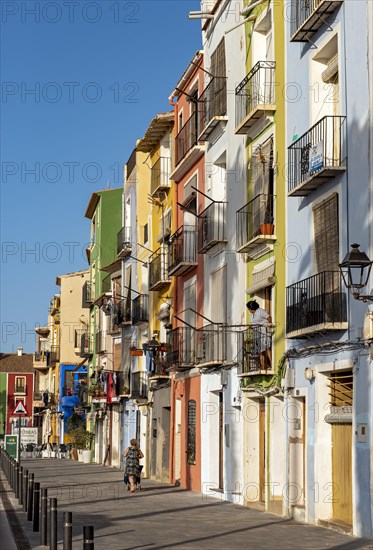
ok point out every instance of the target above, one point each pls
(326, 235)
(191, 444)
(20, 384)
(146, 233)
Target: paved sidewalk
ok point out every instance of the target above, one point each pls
(164, 517)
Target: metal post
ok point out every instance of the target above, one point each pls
(19, 442)
(88, 537)
(20, 486)
(25, 489)
(30, 498)
(53, 524)
(16, 481)
(11, 468)
(67, 531)
(35, 523)
(44, 517)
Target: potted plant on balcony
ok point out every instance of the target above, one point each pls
(267, 227)
(134, 351)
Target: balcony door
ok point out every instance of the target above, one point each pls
(263, 181)
(190, 306)
(326, 240)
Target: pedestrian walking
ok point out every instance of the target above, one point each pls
(133, 455)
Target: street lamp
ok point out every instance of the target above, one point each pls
(355, 269)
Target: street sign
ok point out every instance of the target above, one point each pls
(11, 445)
(20, 409)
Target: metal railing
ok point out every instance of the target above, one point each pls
(101, 341)
(186, 138)
(211, 344)
(302, 10)
(124, 239)
(211, 226)
(139, 385)
(158, 268)
(256, 89)
(252, 216)
(86, 348)
(212, 102)
(317, 300)
(322, 147)
(181, 347)
(87, 294)
(160, 174)
(49, 356)
(140, 309)
(255, 348)
(183, 247)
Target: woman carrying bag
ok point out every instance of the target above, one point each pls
(132, 455)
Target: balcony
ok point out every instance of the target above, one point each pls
(160, 175)
(119, 316)
(255, 96)
(140, 309)
(83, 343)
(40, 360)
(159, 365)
(101, 341)
(20, 390)
(187, 149)
(307, 16)
(182, 250)
(139, 386)
(315, 305)
(181, 348)
(211, 227)
(211, 346)
(124, 246)
(37, 399)
(317, 156)
(212, 105)
(255, 224)
(158, 269)
(255, 350)
(87, 294)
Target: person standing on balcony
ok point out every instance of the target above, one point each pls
(262, 338)
(132, 455)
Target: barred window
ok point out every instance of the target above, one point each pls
(191, 446)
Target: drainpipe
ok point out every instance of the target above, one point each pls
(251, 6)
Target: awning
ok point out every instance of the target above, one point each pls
(263, 276)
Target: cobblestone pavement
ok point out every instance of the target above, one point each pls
(163, 516)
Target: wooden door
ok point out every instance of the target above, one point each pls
(342, 472)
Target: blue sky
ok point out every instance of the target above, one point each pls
(81, 81)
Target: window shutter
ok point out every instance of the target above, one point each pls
(326, 234)
(218, 67)
(261, 164)
(117, 356)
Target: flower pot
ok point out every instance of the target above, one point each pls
(80, 455)
(74, 454)
(267, 228)
(136, 352)
(86, 456)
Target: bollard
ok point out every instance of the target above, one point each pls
(30, 496)
(12, 473)
(44, 517)
(16, 481)
(20, 486)
(53, 524)
(88, 537)
(25, 488)
(67, 531)
(35, 522)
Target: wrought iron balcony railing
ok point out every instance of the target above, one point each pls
(181, 347)
(211, 345)
(160, 175)
(83, 343)
(20, 389)
(212, 105)
(316, 304)
(158, 269)
(101, 341)
(139, 385)
(307, 16)
(140, 309)
(255, 95)
(255, 223)
(124, 246)
(255, 349)
(211, 226)
(186, 139)
(182, 250)
(317, 156)
(87, 294)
